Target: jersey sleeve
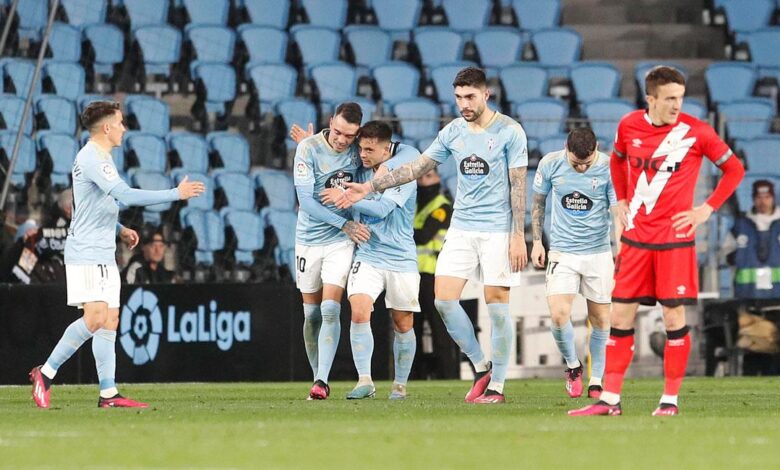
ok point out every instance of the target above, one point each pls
(712, 146)
(303, 173)
(542, 181)
(400, 194)
(102, 173)
(611, 196)
(517, 147)
(439, 150)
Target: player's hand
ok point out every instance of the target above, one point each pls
(518, 252)
(129, 237)
(356, 231)
(354, 193)
(298, 134)
(622, 212)
(189, 189)
(694, 217)
(330, 195)
(537, 254)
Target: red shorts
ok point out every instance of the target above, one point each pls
(670, 277)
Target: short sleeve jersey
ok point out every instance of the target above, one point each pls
(483, 159)
(580, 203)
(663, 164)
(318, 165)
(391, 245)
(92, 233)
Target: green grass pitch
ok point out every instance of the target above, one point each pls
(725, 423)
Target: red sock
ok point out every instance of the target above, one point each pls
(620, 351)
(676, 351)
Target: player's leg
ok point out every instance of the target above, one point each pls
(401, 298)
(596, 286)
(308, 264)
(365, 284)
(104, 350)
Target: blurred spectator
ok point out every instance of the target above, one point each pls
(147, 267)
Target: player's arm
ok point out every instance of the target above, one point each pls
(142, 197)
(537, 229)
(615, 210)
(618, 170)
(401, 175)
(357, 232)
(518, 253)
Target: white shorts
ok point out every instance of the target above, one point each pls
(322, 264)
(403, 288)
(92, 283)
(479, 256)
(589, 275)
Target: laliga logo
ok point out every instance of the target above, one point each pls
(140, 327)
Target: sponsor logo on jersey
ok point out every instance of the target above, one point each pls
(300, 170)
(474, 168)
(636, 143)
(338, 179)
(108, 171)
(681, 290)
(577, 204)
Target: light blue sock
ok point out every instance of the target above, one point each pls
(461, 330)
(328, 341)
(312, 320)
(104, 350)
(74, 336)
(404, 348)
(598, 352)
(362, 341)
(500, 339)
(564, 338)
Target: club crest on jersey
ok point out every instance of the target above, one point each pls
(577, 204)
(338, 179)
(491, 143)
(595, 183)
(474, 168)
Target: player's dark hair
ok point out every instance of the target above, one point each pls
(662, 75)
(350, 112)
(378, 130)
(97, 111)
(581, 142)
(470, 76)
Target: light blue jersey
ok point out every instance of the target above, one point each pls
(391, 245)
(92, 232)
(580, 203)
(318, 165)
(483, 159)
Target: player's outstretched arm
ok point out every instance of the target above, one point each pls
(297, 133)
(537, 229)
(401, 175)
(357, 232)
(518, 252)
(141, 197)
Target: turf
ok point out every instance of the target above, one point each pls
(725, 423)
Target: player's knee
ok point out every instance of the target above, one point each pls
(330, 310)
(95, 322)
(559, 316)
(402, 324)
(445, 307)
(361, 315)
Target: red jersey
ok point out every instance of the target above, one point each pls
(662, 166)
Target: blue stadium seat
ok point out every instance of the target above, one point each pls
(366, 105)
(275, 13)
(763, 45)
(239, 191)
(557, 48)
(216, 87)
(398, 17)
(264, 44)
(148, 114)
(210, 43)
(397, 81)
(371, 45)
(11, 110)
(335, 82)
(729, 81)
(438, 45)
(190, 150)
(746, 16)
(522, 82)
(747, 118)
(271, 83)
(108, 43)
(533, 15)
(641, 69)
(209, 231)
(745, 188)
(317, 45)
(160, 48)
(84, 100)
(249, 230)
(56, 113)
(467, 17)
(418, 117)
(498, 47)
(283, 224)
(762, 154)
(33, 17)
(206, 12)
(327, 13)
(425, 142)
(65, 42)
(204, 202)
(61, 150)
(149, 151)
(695, 108)
(541, 117)
(67, 79)
(278, 187)
(19, 75)
(442, 77)
(595, 81)
(26, 161)
(232, 150)
(146, 13)
(604, 116)
(552, 143)
(81, 13)
(296, 111)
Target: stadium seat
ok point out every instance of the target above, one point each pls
(270, 83)
(147, 114)
(210, 43)
(80, 13)
(595, 81)
(264, 44)
(557, 48)
(19, 75)
(295, 111)
(205, 201)
(763, 45)
(232, 151)
(317, 45)
(326, 13)
(278, 187)
(762, 154)
(206, 12)
(553, 143)
(33, 17)
(418, 117)
(695, 108)
(604, 116)
(238, 189)
(366, 105)
(215, 88)
(249, 230)
(498, 47)
(729, 81)
(442, 77)
(64, 79)
(275, 13)
(60, 149)
(336, 82)
(209, 231)
(26, 161)
(370, 45)
(396, 81)
(522, 82)
(160, 48)
(438, 45)
(541, 117)
(189, 151)
(283, 224)
(397, 17)
(149, 151)
(11, 110)
(56, 113)
(747, 118)
(146, 13)
(533, 15)
(108, 43)
(641, 69)
(65, 42)
(467, 17)
(746, 16)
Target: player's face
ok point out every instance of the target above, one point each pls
(115, 129)
(764, 203)
(665, 107)
(581, 165)
(373, 152)
(342, 133)
(471, 101)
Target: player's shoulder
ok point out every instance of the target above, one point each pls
(90, 153)
(406, 153)
(507, 124)
(696, 124)
(632, 118)
(311, 144)
(453, 128)
(553, 159)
